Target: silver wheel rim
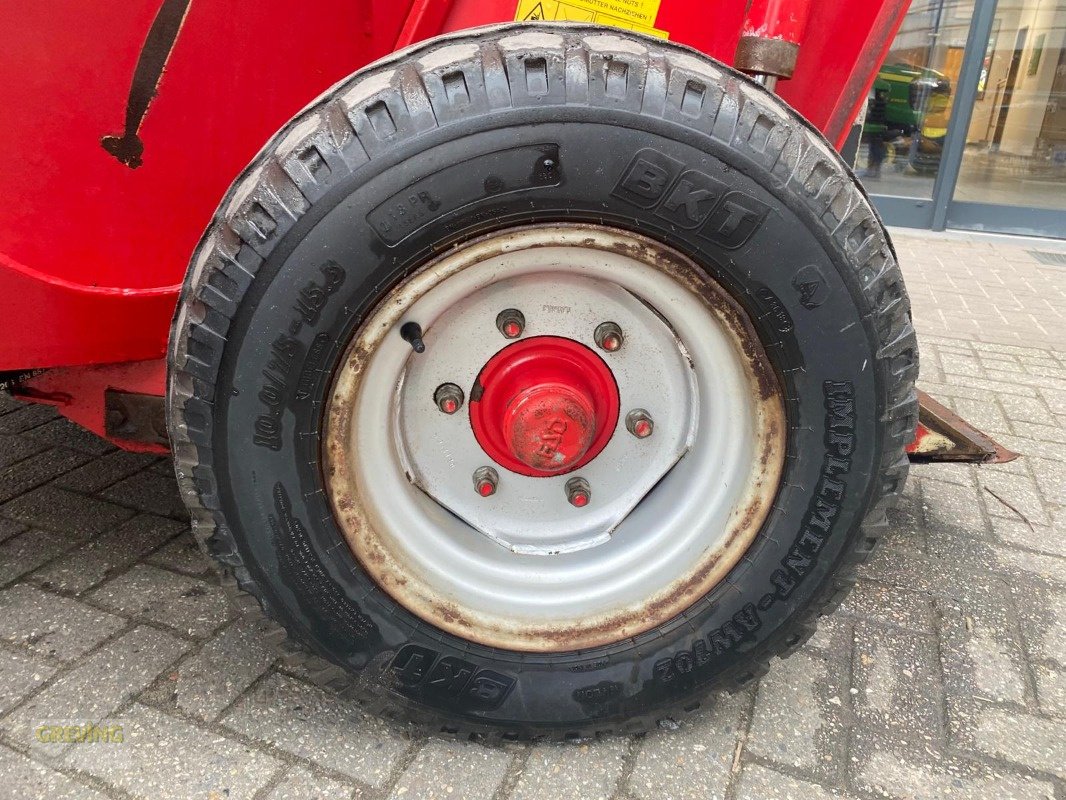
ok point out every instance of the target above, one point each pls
(523, 569)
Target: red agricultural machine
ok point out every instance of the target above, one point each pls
(536, 365)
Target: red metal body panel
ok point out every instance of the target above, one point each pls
(94, 244)
(75, 220)
(78, 392)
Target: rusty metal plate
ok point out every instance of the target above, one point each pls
(943, 435)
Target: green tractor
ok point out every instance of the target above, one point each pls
(912, 102)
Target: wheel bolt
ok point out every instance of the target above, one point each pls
(578, 492)
(639, 423)
(485, 481)
(608, 336)
(448, 397)
(511, 323)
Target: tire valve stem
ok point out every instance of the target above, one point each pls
(448, 397)
(578, 492)
(412, 333)
(485, 481)
(608, 336)
(511, 323)
(639, 423)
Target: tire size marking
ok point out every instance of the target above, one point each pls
(822, 513)
(286, 351)
(312, 298)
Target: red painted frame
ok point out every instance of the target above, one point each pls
(92, 251)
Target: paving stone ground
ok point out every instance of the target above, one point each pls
(942, 676)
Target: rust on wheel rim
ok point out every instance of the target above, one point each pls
(630, 528)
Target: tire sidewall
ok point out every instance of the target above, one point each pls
(289, 539)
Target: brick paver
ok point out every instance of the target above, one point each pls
(943, 675)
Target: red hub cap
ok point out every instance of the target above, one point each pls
(544, 406)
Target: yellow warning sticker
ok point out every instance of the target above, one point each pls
(634, 15)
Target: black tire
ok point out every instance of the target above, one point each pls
(808, 259)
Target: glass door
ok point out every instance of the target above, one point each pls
(913, 100)
(1013, 169)
(966, 122)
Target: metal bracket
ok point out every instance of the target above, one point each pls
(135, 417)
(943, 435)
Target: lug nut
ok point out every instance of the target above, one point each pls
(485, 481)
(511, 323)
(608, 336)
(639, 423)
(448, 397)
(578, 492)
